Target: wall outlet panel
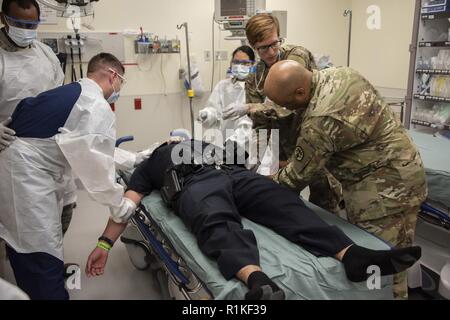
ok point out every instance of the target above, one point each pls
(221, 55)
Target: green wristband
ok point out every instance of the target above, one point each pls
(103, 245)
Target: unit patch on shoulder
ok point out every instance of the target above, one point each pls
(299, 153)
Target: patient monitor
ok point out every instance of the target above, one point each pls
(234, 14)
(237, 10)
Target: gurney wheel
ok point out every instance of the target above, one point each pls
(138, 255)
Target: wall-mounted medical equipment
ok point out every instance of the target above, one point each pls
(234, 14)
(76, 49)
(70, 8)
(436, 6)
(90, 43)
(148, 43)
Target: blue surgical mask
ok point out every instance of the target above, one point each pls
(22, 37)
(114, 96)
(240, 72)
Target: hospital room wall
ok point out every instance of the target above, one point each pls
(383, 55)
(156, 79)
(318, 25)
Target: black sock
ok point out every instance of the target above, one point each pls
(357, 260)
(262, 288)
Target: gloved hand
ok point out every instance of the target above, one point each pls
(145, 154)
(235, 111)
(207, 117)
(142, 156)
(7, 135)
(174, 140)
(203, 116)
(124, 213)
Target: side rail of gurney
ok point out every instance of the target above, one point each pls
(434, 215)
(175, 278)
(123, 140)
(181, 279)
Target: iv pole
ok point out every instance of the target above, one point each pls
(191, 93)
(350, 14)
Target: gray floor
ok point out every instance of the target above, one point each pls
(121, 280)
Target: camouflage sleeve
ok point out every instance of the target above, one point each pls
(262, 115)
(255, 84)
(304, 57)
(270, 117)
(263, 118)
(313, 149)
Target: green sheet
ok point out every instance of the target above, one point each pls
(300, 274)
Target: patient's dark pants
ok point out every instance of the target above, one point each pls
(214, 201)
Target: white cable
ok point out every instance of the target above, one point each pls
(164, 78)
(139, 62)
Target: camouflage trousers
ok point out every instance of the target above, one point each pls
(66, 217)
(399, 231)
(326, 192)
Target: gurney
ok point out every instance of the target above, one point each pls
(157, 239)
(433, 226)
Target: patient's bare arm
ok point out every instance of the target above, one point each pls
(113, 230)
(134, 196)
(96, 263)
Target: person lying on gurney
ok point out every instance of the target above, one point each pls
(213, 198)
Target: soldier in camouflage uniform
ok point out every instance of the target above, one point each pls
(254, 86)
(263, 33)
(347, 128)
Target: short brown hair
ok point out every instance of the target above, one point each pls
(260, 27)
(105, 60)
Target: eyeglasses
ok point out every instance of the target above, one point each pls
(22, 24)
(276, 45)
(122, 78)
(247, 63)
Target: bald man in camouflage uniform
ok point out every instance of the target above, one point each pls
(263, 34)
(347, 128)
(325, 190)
